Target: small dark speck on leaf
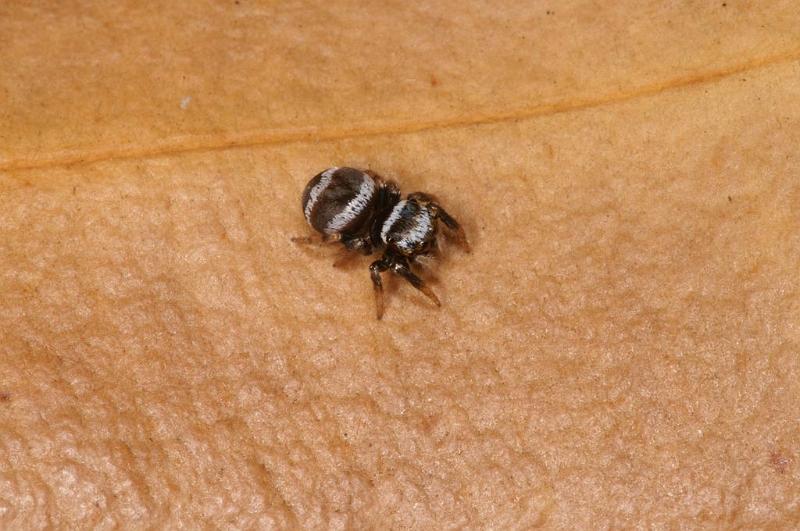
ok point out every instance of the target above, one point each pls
(550, 12)
(5, 397)
(730, 199)
(434, 81)
(724, 4)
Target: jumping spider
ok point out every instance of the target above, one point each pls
(365, 213)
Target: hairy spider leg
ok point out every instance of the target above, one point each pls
(317, 239)
(375, 270)
(399, 266)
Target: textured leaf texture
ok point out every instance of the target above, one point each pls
(621, 348)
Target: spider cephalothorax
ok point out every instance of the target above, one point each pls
(366, 213)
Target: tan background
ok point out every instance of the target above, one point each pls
(620, 349)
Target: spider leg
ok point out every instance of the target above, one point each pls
(317, 239)
(361, 244)
(345, 256)
(400, 267)
(375, 270)
(452, 224)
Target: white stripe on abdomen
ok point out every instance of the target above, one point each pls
(315, 192)
(354, 207)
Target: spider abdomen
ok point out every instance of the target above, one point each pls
(340, 200)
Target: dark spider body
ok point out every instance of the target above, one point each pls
(366, 213)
